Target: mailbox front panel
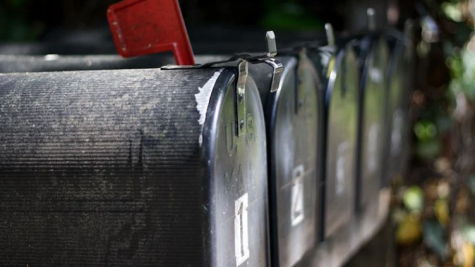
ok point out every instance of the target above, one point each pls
(373, 110)
(341, 137)
(239, 180)
(293, 116)
(400, 82)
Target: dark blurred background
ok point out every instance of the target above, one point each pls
(27, 20)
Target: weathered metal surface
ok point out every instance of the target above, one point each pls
(134, 167)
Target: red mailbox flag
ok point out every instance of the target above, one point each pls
(142, 27)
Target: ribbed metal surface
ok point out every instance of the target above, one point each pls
(107, 168)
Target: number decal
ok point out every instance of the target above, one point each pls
(375, 75)
(296, 209)
(340, 168)
(396, 133)
(241, 232)
(373, 138)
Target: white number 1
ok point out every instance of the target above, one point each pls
(241, 233)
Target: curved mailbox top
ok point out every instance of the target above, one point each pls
(49, 63)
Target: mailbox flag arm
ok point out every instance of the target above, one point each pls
(142, 27)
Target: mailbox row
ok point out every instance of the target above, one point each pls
(112, 162)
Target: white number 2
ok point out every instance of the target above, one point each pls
(241, 232)
(296, 210)
(340, 168)
(373, 139)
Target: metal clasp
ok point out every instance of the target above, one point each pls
(277, 70)
(302, 83)
(245, 59)
(328, 51)
(241, 97)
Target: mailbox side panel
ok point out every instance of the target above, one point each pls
(102, 168)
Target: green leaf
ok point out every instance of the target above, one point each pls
(428, 149)
(452, 11)
(469, 233)
(434, 238)
(414, 198)
(425, 130)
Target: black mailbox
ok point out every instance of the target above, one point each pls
(132, 167)
(373, 58)
(341, 139)
(400, 77)
(294, 118)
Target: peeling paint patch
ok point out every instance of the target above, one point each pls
(202, 98)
